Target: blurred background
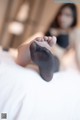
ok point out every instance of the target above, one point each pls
(20, 19)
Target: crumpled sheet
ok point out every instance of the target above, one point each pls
(24, 95)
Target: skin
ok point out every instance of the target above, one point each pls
(24, 56)
(65, 20)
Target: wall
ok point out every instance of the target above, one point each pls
(41, 14)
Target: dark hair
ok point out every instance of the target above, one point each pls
(74, 12)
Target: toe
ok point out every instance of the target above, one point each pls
(33, 46)
(52, 41)
(39, 39)
(49, 39)
(45, 38)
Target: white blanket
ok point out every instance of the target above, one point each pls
(25, 96)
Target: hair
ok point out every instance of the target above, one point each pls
(74, 13)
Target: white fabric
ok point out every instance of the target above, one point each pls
(25, 96)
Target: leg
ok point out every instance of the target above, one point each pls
(23, 57)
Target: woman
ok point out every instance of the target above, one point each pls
(64, 28)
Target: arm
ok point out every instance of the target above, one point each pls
(77, 47)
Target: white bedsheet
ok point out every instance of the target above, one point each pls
(25, 96)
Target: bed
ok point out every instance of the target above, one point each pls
(24, 95)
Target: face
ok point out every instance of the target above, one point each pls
(65, 19)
